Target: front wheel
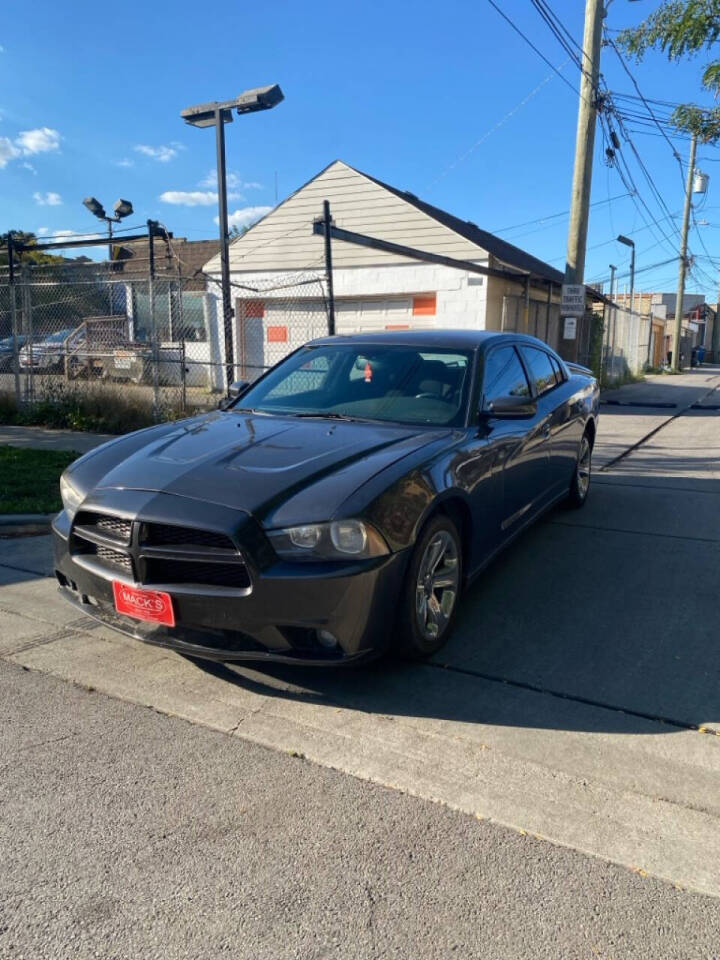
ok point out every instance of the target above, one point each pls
(431, 590)
(580, 485)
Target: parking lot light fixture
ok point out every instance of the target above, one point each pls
(216, 114)
(122, 209)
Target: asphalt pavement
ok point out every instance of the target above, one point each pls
(577, 703)
(127, 834)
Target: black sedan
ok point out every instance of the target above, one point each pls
(334, 508)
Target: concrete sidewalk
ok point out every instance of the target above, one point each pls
(41, 438)
(630, 413)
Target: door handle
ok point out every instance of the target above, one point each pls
(546, 431)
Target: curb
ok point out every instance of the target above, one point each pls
(21, 524)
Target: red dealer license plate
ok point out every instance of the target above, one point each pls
(151, 605)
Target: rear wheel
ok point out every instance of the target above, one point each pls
(580, 485)
(431, 590)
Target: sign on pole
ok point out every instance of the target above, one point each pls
(573, 300)
(569, 328)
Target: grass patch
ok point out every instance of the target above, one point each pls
(29, 479)
(93, 410)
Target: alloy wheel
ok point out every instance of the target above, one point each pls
(583, 468)
(437, 585)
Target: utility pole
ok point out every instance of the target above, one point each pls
(677, 332)
(584, 147)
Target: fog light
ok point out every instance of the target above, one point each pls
(327, 639)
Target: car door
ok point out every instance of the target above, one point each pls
(520, 443)
(546, 376)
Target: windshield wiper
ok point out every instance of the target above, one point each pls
(262, 413)
(323, 416)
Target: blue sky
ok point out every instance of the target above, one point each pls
(444, 100)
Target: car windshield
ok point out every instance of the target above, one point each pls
(56, 337)
(405, 384)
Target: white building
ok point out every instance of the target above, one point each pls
(374, 290)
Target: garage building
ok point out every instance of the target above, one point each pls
(276, 265)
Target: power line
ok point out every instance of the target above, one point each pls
(532, 45)
(555, 216)
(497, 126)
(550, 19)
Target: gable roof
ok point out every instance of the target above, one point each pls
(361, 203)
(509, 254)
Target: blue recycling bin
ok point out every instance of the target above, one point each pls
(701, 354)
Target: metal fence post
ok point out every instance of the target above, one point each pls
(153, 323)
(13, 317)
(27, 324)
(327, 221)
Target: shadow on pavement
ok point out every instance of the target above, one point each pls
(601, 607)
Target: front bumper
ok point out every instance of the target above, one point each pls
(277, 620)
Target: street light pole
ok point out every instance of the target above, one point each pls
(228, 311)
(630, 243)
(217, 114)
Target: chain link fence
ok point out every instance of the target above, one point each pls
(155, 343)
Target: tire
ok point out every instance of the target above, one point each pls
(580, 484)
(424, 626)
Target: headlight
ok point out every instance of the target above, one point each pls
(71, 496)
(339, 540)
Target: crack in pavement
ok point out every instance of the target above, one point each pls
(575, 698)
(639, 533)
(657, 429)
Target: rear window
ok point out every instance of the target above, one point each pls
(542, 372)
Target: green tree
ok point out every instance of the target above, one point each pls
(683, 28)
(27, 256)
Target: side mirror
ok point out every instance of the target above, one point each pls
(511, 408)
(235, 390)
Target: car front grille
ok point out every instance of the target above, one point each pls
(155, 554)
(165, 534)
(165, 571)
(116, 528)
(114, 559)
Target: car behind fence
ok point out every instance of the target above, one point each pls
(156, 340)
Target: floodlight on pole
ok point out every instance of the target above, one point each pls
(216, 114)
(122, 209)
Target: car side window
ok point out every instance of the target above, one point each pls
(559, 375)
(541, 369)
(504, 375)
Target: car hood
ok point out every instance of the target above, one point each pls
(256, 463)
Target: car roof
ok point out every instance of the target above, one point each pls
(449, 339)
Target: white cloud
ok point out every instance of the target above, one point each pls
(190, 198)
(234, 182)
(41, 140)
(42, 231)
(125, 162)
(194, 198)
(73, 233)
(49, 199)
(8, 152)
(246, 216)
(162, 153)
(30, 167)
